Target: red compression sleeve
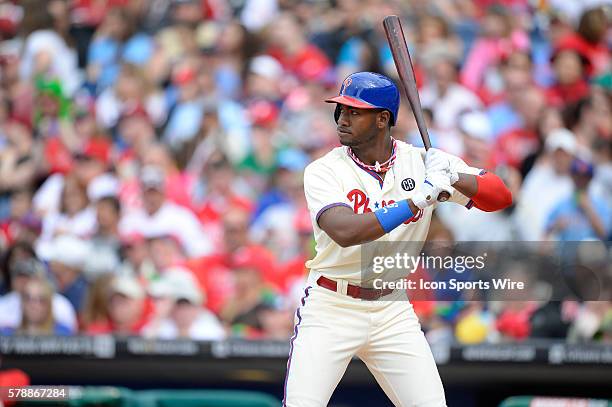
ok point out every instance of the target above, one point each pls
(492, 194)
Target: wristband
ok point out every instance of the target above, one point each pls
(391, 216)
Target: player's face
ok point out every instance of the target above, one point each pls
(357, 126)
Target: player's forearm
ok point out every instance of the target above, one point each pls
(466, 184)
(349, 229)
(487, 191)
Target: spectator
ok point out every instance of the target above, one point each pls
(94, 310)
(22, 267)
(580, 216)
(601, 185)
(505, 106)
(235, 45)
(165, 251)
(282, 186)
(45, 52)
(22, 224)
(475, 325)
(243, 311)
(108, 214)
(499, 37)
(88, 164)
(185, 316)
(37, 311)
(20, 156)
(126, 308)
(584, 118)
(114, 40)
(550, 121)
(106, 241)
(214, 272)
(443, 94)
(548, 321)
(216, 190)
(270, 227)
(571, 64)
(52, 120)
(476, 132)
(264, 79)
(75, 215)
(162, 217)
(290, 46)
(550, 180)
(515, 145)
(263, 157)
(591, 30)
(591, 321)
(186, 116)
(293, 272)
(136, 132)
(67, 257)
(178, 183)
(136, 260)
(132, 88)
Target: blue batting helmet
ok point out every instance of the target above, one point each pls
(368, 90)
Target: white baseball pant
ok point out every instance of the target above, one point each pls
(331, 328)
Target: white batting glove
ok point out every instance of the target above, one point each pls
(439, 161)
(433, 185)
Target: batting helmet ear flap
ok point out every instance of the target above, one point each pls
(337, 112)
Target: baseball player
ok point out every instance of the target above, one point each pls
(372, 188)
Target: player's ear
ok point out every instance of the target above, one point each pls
(382, 119)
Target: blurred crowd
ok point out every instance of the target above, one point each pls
(152, 151)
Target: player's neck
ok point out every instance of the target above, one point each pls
(378, 150)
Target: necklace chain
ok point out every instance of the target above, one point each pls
(377, 167)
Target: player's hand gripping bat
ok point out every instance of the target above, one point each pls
(399, 49)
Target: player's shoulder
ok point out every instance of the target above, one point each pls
(406, 149)
(330, 161)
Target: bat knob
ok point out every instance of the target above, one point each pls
(443, 197)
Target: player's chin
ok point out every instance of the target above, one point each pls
(346, 139)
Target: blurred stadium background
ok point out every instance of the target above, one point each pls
(153, 228)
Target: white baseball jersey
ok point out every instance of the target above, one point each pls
(335, 179)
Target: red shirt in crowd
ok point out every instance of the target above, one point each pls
(513, 146)
(90, 13)
(560, 95)
(310, 63)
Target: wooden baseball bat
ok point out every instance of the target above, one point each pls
(403, 64)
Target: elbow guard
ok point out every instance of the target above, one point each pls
(492, 194)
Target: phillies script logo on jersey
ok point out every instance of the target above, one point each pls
(361, 204)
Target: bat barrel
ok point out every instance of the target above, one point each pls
(403, 63)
